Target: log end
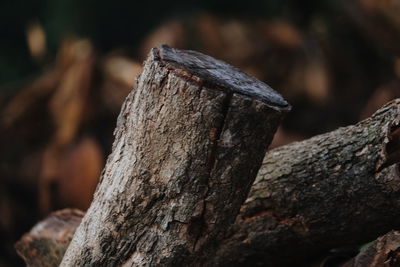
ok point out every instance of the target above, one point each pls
(48, 240)
(216, 74)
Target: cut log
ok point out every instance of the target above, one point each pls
(47, 242)
(336, 189)
(188, 144)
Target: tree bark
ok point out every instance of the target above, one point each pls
(188, 144)
(335, 189)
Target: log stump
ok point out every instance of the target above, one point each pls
(188, 144)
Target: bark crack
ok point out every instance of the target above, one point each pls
(201, 220)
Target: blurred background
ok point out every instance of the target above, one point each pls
(67, 65)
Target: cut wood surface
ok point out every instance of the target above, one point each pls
(335, 189)
(47, 242)
(188, 144)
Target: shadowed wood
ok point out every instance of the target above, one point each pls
(188, 144)
(384, 251)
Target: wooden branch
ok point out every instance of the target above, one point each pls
(336, 189)
(47, 242)
(188, 144)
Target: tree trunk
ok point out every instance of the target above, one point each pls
(188, 144)
(336, 189)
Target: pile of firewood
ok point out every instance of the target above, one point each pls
(57, 128)
(180, 186)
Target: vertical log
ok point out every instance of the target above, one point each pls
(188, 144)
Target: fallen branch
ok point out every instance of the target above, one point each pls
(336, 189)
(188, 144)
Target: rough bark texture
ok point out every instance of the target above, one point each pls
(188, 144)
(332, 190)
(47, 242)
